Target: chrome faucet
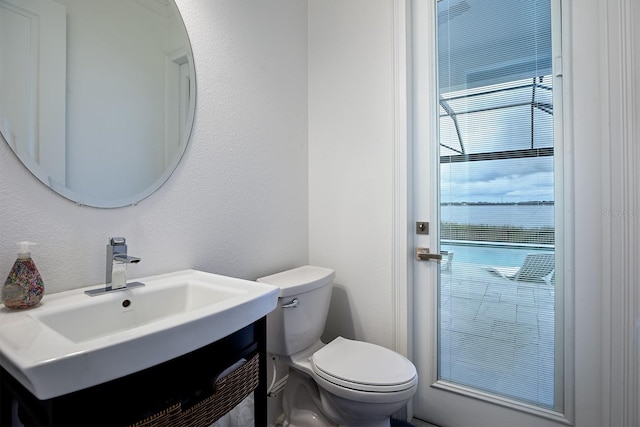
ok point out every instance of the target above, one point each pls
(117, 257)
(117, 260)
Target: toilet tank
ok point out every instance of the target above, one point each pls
(303, 303)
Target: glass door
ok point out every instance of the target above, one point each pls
(493, 135)
(497, 199)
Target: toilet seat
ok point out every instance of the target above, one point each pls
(363, 366)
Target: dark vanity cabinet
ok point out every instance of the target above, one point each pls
(192, 390)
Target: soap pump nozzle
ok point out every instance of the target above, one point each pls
(24, 249)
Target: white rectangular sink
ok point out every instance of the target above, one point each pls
(107, 316)
(72, 341)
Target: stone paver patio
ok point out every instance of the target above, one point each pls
(497, 335)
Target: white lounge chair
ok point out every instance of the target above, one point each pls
(535, 268)
(447, 259)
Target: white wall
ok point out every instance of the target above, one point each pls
(237, 203)
(350, 161)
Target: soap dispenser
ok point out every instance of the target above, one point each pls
(24, 287)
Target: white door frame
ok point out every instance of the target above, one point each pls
(621, 215)
(607, 233)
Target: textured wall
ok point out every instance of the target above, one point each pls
(351, 163)
(237, 203)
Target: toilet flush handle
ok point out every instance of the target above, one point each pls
(294, 303)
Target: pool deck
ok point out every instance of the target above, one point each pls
(496, 334)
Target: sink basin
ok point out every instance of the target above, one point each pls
(72, 341)
(102, 317)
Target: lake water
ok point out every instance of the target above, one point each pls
(513, 215)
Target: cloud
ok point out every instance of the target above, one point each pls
(513, 180)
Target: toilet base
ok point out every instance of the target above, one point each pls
(307, 405)
(358, 415)
(301, 402)
(303, 418)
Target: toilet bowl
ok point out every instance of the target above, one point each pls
(342, 383)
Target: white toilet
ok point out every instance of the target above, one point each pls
(345, 382)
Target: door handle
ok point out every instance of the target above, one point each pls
(423, 254)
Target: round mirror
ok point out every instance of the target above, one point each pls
(96, 97)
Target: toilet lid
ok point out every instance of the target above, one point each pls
(363, 366)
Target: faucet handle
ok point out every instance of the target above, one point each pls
(117, 241)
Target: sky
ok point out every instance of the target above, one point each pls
(498, 181)
(489, 53)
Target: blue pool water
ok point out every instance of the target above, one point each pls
(491, 254)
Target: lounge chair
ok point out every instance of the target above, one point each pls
(447, 259)
(535, 268)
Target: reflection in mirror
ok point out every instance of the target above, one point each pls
(96, 97)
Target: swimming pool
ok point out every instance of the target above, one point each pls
(491, 254)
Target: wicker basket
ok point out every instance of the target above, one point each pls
(228, 393)
(166, 417)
